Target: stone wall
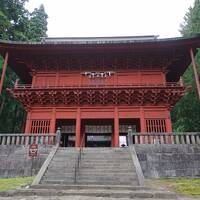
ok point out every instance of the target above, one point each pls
(15, 161)
(169, 160)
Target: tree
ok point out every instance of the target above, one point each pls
(186, 113)
(16, 23)
(38, 24)
(191, 24)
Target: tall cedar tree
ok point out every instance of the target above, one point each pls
(17, 24)
(186, 113)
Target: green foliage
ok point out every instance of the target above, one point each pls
(186, 113)
(38, 24)
(17, 24)
(191, 24)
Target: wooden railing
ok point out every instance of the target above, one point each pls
(167, 84)
(27, 139)
(165, 138)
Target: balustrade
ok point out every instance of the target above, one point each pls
(27, 139)
(28, 86)
(137, 138)
(165, 138)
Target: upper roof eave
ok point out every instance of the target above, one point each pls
(104, 41)
(20, 50)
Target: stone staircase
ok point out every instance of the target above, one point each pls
(107, 166)
(105, 173)
(99, 166)
(61, 168)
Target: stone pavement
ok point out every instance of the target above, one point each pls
(78, 198)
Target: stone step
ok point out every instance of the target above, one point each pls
(68, 161)
(106, 159)
(95, 178)
(109, 165)
(106, 163)
(106, 178)
(59, 175)
(139, 194)
(94, 172)
(97, 171)
(60, 158)
(92, 187)
(89, 182)
(97, 152)
(100, 153)
(62, 165)
(92, 167)
(61, 169)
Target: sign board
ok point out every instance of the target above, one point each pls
(33, 150)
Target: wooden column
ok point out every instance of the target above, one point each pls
(28, 123)
(194, 64)
(53, 121)
(78, 128)
(34, 78)
(169, 123)
(142, 121)
(142, 126)
(116, 128)
(3, 71)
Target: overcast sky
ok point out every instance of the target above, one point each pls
(76, 18)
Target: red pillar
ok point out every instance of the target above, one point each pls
(4, 71)
(142, 125)
(28, 123)
(116, 128)
(195, 71)
(142, 121)
(78, 128)
(169, 123)
(53, 122)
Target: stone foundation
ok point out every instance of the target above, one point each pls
(169, 160)
(15, 161)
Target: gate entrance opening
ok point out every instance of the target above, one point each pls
(68, 127)
(98, 140)
(98, 132)
(123, 130)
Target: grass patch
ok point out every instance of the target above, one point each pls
(13, 183)
(190, 187)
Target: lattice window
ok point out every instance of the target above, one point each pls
(40, 126)
(156, 125)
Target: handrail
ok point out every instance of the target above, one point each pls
(27, 138)
(78, 160)
(135, 159)
(165, 133)
(27, 134)
(45, 165)
(166, 138)
(167, 84)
